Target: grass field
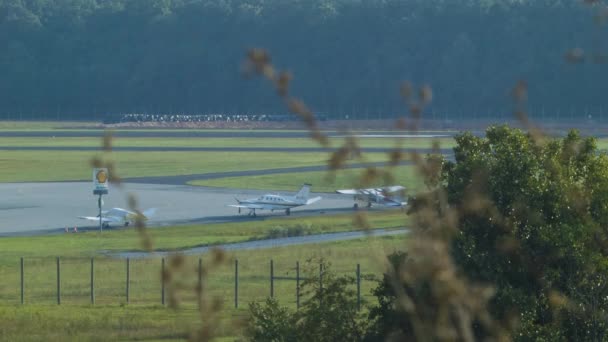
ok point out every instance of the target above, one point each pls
(218, 142)
(144, 318)
(180, 237)
(41, 125)
(345, 179)
(24, 166)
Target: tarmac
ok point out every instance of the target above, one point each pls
(28, 209)
(46, 208)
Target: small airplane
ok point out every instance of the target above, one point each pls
(383, 196)
(118, 215)
(276, 202)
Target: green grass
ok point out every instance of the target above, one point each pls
(143, 318)
(217, 142)
(322, 181)
(70, 323)
(23, 166)
(179, 237)
(75, 249)
(602, 143)
(41, 125)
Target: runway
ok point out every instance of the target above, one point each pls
(46, 208)
(49, 207)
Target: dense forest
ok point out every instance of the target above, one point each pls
(86, 58)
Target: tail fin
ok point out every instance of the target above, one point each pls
(149, 212)
(302, 195)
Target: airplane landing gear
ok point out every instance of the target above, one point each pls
(127, 224)
(252, 213)
(369, 204)
(105, 225)
(288, 211)
(356, 206)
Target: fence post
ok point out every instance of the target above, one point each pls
(271, 279)
(162, 276)
(297, 284)
(321, 283)
(200, 281)
(358, 287)
(58, 283)
(22, 284)
(128, 278)
(236, 283)
(92, 281)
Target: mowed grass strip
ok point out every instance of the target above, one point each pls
(143, 318)
(87, 244)
(24, 166)
(422, 142)
(322, 181)
(28, 166)
(7, 125)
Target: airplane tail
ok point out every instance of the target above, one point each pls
(149, 212)
(302, 195)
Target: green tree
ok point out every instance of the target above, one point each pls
(532, 220)
(329, 312)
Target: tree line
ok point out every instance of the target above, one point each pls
(78, 58)
(509, 242)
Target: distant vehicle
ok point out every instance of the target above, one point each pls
(274, 202)
(387, 196)
(118, 216)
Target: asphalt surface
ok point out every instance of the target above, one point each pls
(50, 207)
(270, 243)
(184, 179)
(47, 208)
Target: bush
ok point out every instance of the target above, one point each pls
(329, 313)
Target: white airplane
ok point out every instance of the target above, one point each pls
(276, 202)
(118, 215)
(384, 196)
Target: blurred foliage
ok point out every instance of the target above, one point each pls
(77, 58)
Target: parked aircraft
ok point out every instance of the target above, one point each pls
(385, 196)
(276, 202)
(119, 216)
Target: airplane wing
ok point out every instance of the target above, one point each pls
(313, 200)
(119, 212)
(349, 191)
(258, 206)
(96, 218)
(394, 188)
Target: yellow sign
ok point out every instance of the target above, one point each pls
(101, 176)
(100, 179)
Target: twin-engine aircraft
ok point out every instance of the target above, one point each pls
(118, 216)
(387, 196)
(276, 202)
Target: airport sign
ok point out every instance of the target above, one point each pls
(100, 180)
